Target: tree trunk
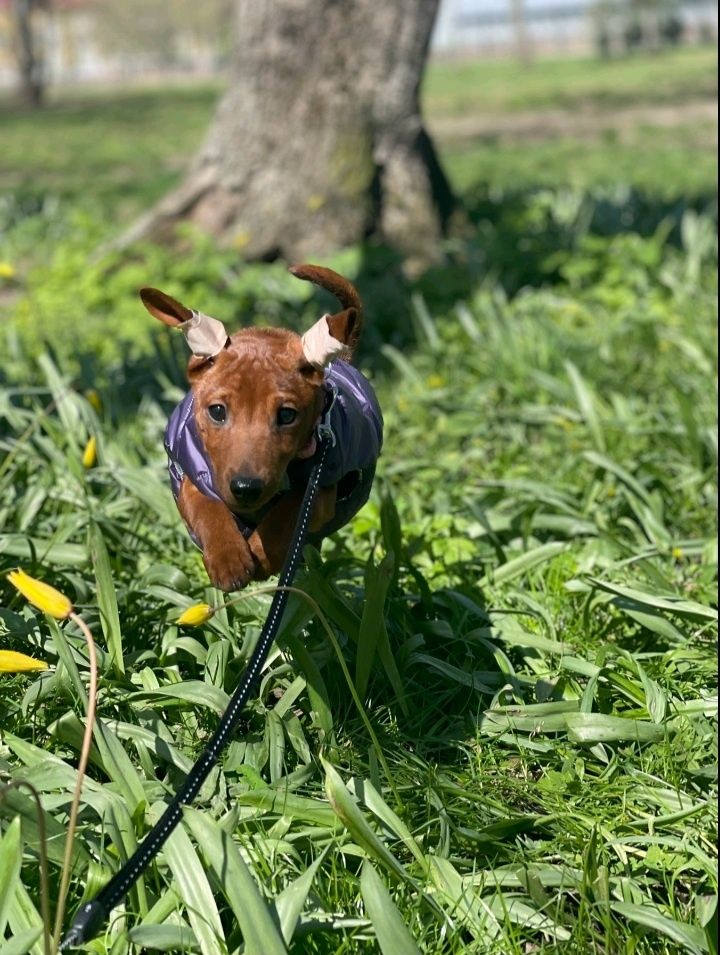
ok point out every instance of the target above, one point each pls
(30, 61)
(318, 141)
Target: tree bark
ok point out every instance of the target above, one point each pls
(318, 141)
(30, 59)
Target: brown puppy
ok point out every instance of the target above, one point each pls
(241, 443)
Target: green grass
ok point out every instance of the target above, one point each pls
(571, 83)
(116, 153)
(120, 151)
(526, 607)
(651, 160)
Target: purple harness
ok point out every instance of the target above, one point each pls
(356, 427)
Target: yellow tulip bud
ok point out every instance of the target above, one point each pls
(195, 616)
(12, 662)
(89, 458)
(41, 595)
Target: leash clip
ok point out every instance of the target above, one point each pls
(324, 428)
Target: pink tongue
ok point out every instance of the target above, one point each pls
(308, 449)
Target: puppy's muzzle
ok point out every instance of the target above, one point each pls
(246, 490)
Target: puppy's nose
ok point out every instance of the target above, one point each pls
(246, 490)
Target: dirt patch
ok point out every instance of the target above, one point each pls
(587, 123)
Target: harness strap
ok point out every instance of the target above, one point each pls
(91, 916)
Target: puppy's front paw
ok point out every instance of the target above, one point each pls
(264, 564)
(230, 566)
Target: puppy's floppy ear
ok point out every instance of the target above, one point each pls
(324, 341)
(206, 336)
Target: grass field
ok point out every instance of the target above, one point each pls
(131, 146)
(506, 741)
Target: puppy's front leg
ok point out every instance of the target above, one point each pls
(270, 541)
(226, 554)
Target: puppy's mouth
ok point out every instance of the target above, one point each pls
(251, 511)
(309, 448)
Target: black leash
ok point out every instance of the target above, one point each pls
(91, 916)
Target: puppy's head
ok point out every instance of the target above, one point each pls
(259, 393)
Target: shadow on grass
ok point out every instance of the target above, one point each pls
(518, 239)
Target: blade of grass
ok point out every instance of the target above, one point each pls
(194, 890)
(392, 934)
(107, 598)
(260, 932)
(691, 937)
(290, 902)
(10, 859)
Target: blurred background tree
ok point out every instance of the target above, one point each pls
(626, 27)
(29, 49)
(318, 141)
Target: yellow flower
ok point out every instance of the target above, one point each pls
(677, 553)
(195, 616)
(89, 458)
(41, 595)
(7, 271)
(11, 662)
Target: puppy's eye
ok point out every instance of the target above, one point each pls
(286, 415)
(217, 413)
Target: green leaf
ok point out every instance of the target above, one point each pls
(193, 692)
(462, 901)
(194, 890)
(14, 803)
(119, 766)
(633, 485)
(513, 909)
(652, 620)
(668, 602)
(391, 527)
(107, 598)
(348, 811)
(692, 937)
(600, 728)
(333, 604)
(10, 860)
(24, 918)
(377, 581)
(364, 790)
(291, 901)
(67, 658)
(587, 402)
(22, 942)
(164, 938)
(482, 681)
(45, 551)
(706, 907)
(285, 803)
(391, 932)
(317, 691)
(522, 564)
(530, 718)
(260, 932)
